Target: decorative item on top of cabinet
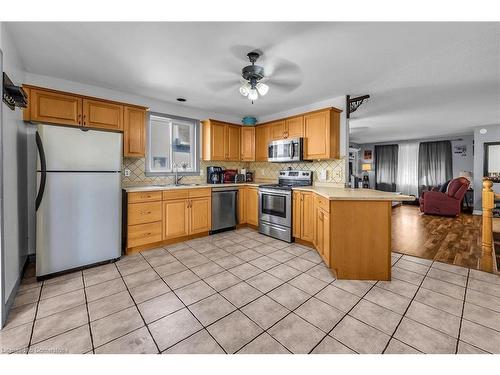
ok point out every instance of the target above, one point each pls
(322, 134)
(134, 132)
(247, 143)
(221, 141)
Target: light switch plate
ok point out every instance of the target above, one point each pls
(323, 175)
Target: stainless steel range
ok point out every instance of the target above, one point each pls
(275, 204)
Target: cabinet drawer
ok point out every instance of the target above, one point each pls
(140, 213)
(144, 196)
(175, 194)
(143, 234)
(196, 193)
(322, 203)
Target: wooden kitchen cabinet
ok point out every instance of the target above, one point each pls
(175, 218)
(101, 114)
(321, 134)
(200, 215)
(303, 215)
(252, 206)
(220, 141)
(294, 127)
(277, 130)
(247, 140)
(241, 205)
(232, 142)
(321, 238)
(262, 138)
(145, 212)
(134, 132)
(53, 107)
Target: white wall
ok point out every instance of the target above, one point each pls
(14, 173)
(155, 105)
(492, 135)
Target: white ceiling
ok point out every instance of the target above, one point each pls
(425, 79)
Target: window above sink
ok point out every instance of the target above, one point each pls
(173, 145)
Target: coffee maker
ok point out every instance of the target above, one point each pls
(214, 175)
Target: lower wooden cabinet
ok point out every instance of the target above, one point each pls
(321, 238)
(144, 234)
(200, 215)
(242, 193)
(303, 215)
(175, 219)
(252, 206)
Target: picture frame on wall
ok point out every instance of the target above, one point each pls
(368, 154)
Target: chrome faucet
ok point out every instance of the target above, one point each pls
(176, 178)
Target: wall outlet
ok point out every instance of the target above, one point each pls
(127, 172)
(323, 175)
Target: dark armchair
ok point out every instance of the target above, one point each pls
(448, 203)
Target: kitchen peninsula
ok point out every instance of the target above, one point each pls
(350, 228)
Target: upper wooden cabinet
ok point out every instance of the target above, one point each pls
(102, 115)
(321, 134)
(262, 139)
(277, 130)
(61, 108)
(294, 127)
(134, 132)
(52, 107)
(221, 141)
(247, 143)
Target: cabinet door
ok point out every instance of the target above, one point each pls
(247, 143)
(55, 108)
(217, 140)
(233, 142)
(317, 135)
(102, 115)
(200, 215)
(134, 132)
(296, 215)
(307, 216)
(294, 127)
(252, 206)
(326, 238)
(241, 205)
(319, 231)
(261, 142)
(277, 130)
(175, 218)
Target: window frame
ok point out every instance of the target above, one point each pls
(196, 148)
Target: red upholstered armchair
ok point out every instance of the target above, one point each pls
(445, 204)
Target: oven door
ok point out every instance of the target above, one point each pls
(275, 206)
(285, 150)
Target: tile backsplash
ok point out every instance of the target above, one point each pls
(263, 171)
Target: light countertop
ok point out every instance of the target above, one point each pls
(331, 193)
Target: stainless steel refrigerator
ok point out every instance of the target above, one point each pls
(78, 205)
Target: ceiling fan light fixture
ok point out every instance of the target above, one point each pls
(253, 95)
(262, 88)
(245, 89)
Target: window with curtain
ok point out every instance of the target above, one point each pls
(173, 144)
(386, 167)
(434, 164)
(407, 174)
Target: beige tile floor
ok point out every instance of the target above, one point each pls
(241, 292)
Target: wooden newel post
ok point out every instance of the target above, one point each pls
(487, 242)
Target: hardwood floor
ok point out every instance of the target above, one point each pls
(450, 240)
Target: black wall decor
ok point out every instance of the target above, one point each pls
(352, 104)
(14, 96)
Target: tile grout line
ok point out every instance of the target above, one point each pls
(139, 311)
(462, 315)
(88, 315)
(406, 310)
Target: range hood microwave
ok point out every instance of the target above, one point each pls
(285, 150)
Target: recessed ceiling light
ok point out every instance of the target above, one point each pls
(181, 99)
(483, 131)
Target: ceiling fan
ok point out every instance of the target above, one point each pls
(253, 75)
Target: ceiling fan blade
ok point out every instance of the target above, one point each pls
(283, 84)
(281, 68)
(240, 51)
(223, 85)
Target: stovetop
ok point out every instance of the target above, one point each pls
(290, 178)
(277, 186)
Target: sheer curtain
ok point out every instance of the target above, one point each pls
(434, 164)
(386, 167)
(407, 176)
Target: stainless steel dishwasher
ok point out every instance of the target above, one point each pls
(224, 207)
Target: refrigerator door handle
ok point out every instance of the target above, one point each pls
(43, 172)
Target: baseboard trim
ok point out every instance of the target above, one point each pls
(10, 300)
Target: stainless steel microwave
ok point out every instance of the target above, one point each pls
(285, 150)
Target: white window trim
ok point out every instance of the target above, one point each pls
(196, 147)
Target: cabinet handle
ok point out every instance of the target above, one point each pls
(84, 117)
(148, 234)
(145, 212)
(79, 119)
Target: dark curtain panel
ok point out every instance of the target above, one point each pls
(386, 167)
(434, 164)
